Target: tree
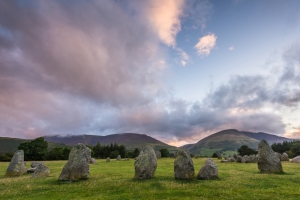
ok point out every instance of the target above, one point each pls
(245, 150)
(295, 148)
(35, 149)
(114, 154)
(135, 153)
(164, 153)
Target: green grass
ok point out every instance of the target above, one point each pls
(114, 180)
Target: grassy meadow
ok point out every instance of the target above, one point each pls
(114, 180)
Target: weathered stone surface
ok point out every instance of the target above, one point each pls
(41, 171)
(232, 159)
(16, 166)
(284, 157)
(183, 165)
(279, 155)
(268, 160)
(219, 155)
(245, 159)
(93, 161)
(239, 159)
(77, 167)
(108, 159)
(296, 159)
(208, 171)
(118, 158)
(252, 159)
(235, 156)
(158, 154)
(31, 170)
(36, 163)
(145, 164)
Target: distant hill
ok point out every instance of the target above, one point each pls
(266, 136)
(129, 140)
(11, 144)
(229, 140)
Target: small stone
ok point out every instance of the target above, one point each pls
(245, 159)
(16, 166)
(158, 154)
(108, 159)
(284, 157)
(296, 159)
(239, 159)
(118, 158)
(93, 161)
(232, 159)
(34, 164)
(268, 160)
(145, 164)
(183, 165)
(41, 171)
(126, 159)
(208, 171)
(77, 167)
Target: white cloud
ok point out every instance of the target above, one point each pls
(206, 44)
(184, 57)
(231, 48)
(165, 18)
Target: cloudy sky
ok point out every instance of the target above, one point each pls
(176, 70)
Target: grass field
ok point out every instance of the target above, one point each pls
(113, 180)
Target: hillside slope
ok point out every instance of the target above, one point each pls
(130, 140)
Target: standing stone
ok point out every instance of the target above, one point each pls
(245, 159)
(34, 164)
(77, 167)
(158, 154)
(16, 166)
(183, 165)
(284, 157)
(118, 158)
(235, 156)
(232, 159)
(208, 171)
(268, 161)
(252, 159)
(145, 164)
(108, 159)
(93, 161)
(296, 159)
(279, 155)
(41, 171)
(219, 155)
(239, 159)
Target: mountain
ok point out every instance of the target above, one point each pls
(266, 136)
(11, 144)
(231, 139)
(129, 140)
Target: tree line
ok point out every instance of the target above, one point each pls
(37, 149)
(292, 148)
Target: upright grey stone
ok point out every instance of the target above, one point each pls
(41, 171)
(183, 165)
(279, 155)
(296, 159)
(93, 161)
(245, 159)
(208, 171)
(77, 167)
(16, 166)
(284, 157)
(235, 156)
(252, 159)
(268, 160)
(158, 154)
(145, 164)
(108, 159)
(34, 164)
(118, 158)
(232, 159)
(239, 159)
(219, 155)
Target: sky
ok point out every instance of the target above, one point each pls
(176, 70)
